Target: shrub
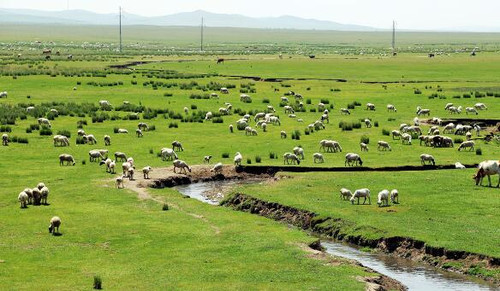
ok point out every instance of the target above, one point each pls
(217, 120)
(296, 135)
(417, 91)
(273, 155)
(479, 152)
(97, 283)
(391, 119)
(5, 128)
(345, 126)
(325, 101)
(308, 101)
(265, 100)
(365, 139)
(306, 131)
(249, 161)
(375, 123)
(19, 139)
(45, 131)
(458, 140)
(164, 207)
(386, 132)
(312, 110)
(466, 95)
(258, 159)
(79, 140)
(28, 130)
(168, 94)
(356, 125)
(457, 97)
(194, 106)
(115, 129)
(225, 155)
(152, 127)
(64, 132)
(84, 162)
(173, 125)
(351, 106)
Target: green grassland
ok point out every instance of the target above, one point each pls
(131, 243)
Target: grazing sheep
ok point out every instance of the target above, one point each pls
(352, 159)
(131, 161)
(23, 199)
(480, 106)
(61, 140)
(104, 103)
(130, 173)
(207, 159)
(468, 136)
(467, 144)
(345, 194)
(224, 90)
(107, 140)
(44, 121)
(214, 95)
(395, 196)
(318, 158)
(181, 165)
(119, 182)
(5, 139)
(143, 126)
(345, 111)
(447, 106)
(89, 139)
(66, 158)
(106, 162)
(55, 222)
(427, 158)
(44, 193)
(421, 111)
(4, 93)
(80, 132)
(95, 156)
(146, 171)
(383, 145)
(119, 156)
(459, 165)
(368, 123)
(449, 128)
(289, 157)
(283, 134)
(125, 167)
(383, 198)
(487, 168)
(471, 110)
(264, 127)
(208, 116)
(363, 146)
(364, 192)
(299, 152)
(370, 106)
(217, 169)
(391, 107)
(402, 126)
(177, 145)
(288, 109)
(406, 138)
(122, 130)
(396, 134)
(40, 185)
(29, 192)
(138, 132)
(37, 196)
(237, 159)
(270, 108)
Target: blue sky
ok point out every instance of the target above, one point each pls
(421, 14)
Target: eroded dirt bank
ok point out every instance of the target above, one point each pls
(452, 260)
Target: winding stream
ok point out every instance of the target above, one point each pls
(415, 276)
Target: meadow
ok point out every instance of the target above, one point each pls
(132, 243)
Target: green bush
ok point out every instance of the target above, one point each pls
(97, 283)
(479, 151)
(194, 106)
(45, 131)
(308, 101)
(258, 159)
(386, 132)
(365, 139)
(296, 135)
(458, 140)
(164, 207)
(249, 161)
(273, 155)
(64, 132)
(5, 128)
(375, 123)
(225, 155)
(265, 100)
(173, 125)
(417, 91)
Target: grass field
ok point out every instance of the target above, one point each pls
(131, 243)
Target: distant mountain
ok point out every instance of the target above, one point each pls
(83, 17)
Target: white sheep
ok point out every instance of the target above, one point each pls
(364, 192)
(363, 146)
(480, 106)
(406, 138)
(143, 126)
(29, 192)
(130, 173)
(66, 158)
(345, 111)
(471, 110)
(383, 198)
(370, 106)
(396, 134)
(345, 194)
(217, 169)
(95, 155)
(44, 192)
(55, 223)
(131, 161)
(80, 132)
(208, 116)
(395, 196)
(391, 107)
(467, 144)
(146, 170)
(237, 159)
(206, 159)
(421, 111)
(139, 133)
(176, 145)
(119, 156)
(487, 168)
(5, 139)
(427, 158)
(107, 140)
(122, 130)
(231, 128)
(125, 167)
(318, 158)
(181, 165)
(352, 159)
(283, 134)
(23, 199)
(289, 157)
(368, 123)
(44, 121)
(37, 196)
(383, 145)
(459, 165)
(299, 152)
(89, 139)
(119, 182)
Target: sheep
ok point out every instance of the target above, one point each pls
(44, 122)
(300, 120)
(237, 159)
(318, 125)
(456, 110)
(44, 192)
(55, 223)
(370, 106)
(471, 110)
(107, 140)
(459, 165)
(104, 153)
(284, 99)
(352, 159)
(104, 103)
(391, 107)
(146, 171)
(29, 192)
(245, 98)
(40, 185)
(447, 106)
(37, 196)
(143, 126)
(119, 156)
(112, 167)
(299, 152)
(119, 182)
(138, 132)
(283, 134)
(3, 94)
(186, 110)
(121, 130)
(30, 108)
(383, 145)
(125, 167)
(321, 106)
(406, 139)
(94, 156)
(345, 194)
(396, 134)
(468, 136)
(223, 111)
(289, 109)
(318, 158)
(449, 128)
(421, 111)
(207, 159)
(181, 165)
(364, 192)
(214, 95)
(275, 120)
(80, 132)
(480, 106)
(131, 161)
(23, 199)
(383, 198)
(345, 111)
(289, 157)
(89, 139)
(402, 126)
(130, 173)
(487, 168)
(208, 116)
(363, 146)
(224, 90)
(253, 131)
(264, 127)
(177, 145)
(427, 158)
(368, 123)
(467, 144)
(217, 169)
(5, 139)
(395, 196)
(106, 162)
(416, 121)
(270, 108)
(66, 158)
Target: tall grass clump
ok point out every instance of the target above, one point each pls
(97, 283)
(296, 135)
(365, 139)
(386, 132)
(45, 131)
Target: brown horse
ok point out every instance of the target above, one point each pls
(220, 60)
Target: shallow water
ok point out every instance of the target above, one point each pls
(415, 276)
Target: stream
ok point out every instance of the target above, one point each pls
(414, 275)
